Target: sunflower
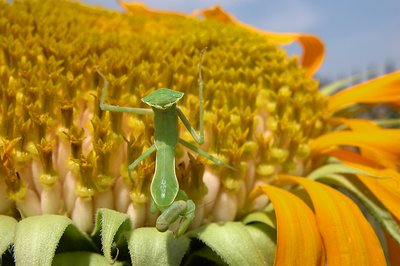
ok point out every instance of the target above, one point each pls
(312, 183)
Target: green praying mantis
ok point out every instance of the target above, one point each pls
(172, 202)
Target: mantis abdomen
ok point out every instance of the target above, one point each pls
(165, 186)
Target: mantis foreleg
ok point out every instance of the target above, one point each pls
(107, 107)
(182, 209)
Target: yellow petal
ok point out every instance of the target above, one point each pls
(348, 237)
(298, 240)
(384, 89)
(355, 124)
(361, 125)
(313, 48)
(386, 190)
(381, 145)
(356, 160)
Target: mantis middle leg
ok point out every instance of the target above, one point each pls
(133, 165)
(204, 154)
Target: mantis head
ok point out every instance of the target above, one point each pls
(163, 98)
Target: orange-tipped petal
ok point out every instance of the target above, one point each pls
(313, 48)
(298, 240)
(348, 237)
(384, 89)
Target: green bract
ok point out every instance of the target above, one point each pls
(40, 239)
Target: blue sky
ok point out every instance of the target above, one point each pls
(358, 34)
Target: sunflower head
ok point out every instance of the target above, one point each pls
(66, 162)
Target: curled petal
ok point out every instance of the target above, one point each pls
(296, 228)
(384, 89)
(379, 144)
(348, 237)
(387, 190)
(313, 48)
(360, 162)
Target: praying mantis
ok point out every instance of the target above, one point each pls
(172, 202)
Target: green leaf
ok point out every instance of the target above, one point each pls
(37, 238)
(110, 225)
(81, 259)
(338, 169)
(372, 204)
(7, 232)
(265, 238)
(232, 241)
(147, 246)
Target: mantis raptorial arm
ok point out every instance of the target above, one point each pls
(107, 107)
(198, 137)
(183, 208)
(180, 209)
